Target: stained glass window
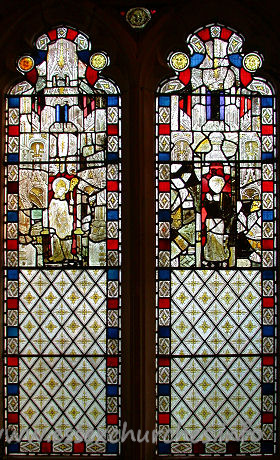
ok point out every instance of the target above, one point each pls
(62, 251)
(216, 256)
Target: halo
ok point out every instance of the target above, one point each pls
(56, 182)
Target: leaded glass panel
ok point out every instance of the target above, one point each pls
(62, 251)
(216, 251)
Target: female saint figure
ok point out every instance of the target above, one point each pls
(215, 209)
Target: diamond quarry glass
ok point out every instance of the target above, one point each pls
(62, 251)
(216, 251)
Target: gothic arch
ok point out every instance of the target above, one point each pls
(138, 63)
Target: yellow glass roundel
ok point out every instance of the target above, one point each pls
(179, 61)
(98, 61)
(25, 63)
(138, 17)
(252, 62)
